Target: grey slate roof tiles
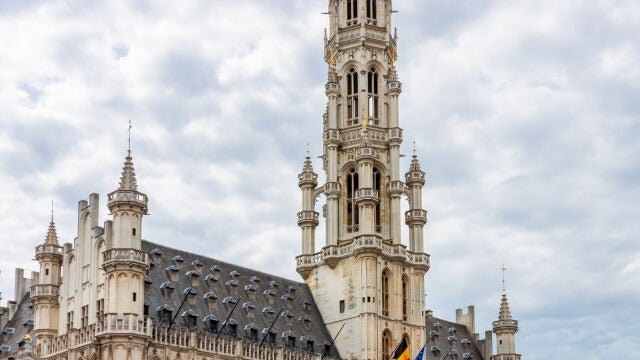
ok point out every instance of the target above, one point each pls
(215, 287)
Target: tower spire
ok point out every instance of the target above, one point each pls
(505, 328)
(52, 236)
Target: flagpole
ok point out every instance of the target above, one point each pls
(228, 316)
(269, 330)
(396, 348)
(332, 341)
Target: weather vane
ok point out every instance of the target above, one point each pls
(308, 148)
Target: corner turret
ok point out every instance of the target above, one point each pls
(505, 329)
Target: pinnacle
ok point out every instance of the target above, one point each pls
(505, 313)
(128, 177)
(415, 163)
(52, 236)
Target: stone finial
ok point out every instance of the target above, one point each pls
(128, 177)
(415, 163)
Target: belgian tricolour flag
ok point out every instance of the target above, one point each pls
(402, 351)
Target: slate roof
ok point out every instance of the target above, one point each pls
(20, 324)
(450, 336)
(218, 286)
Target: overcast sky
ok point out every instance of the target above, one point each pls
(526, 116)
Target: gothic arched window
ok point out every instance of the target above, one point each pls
(371, 12)
(376, 186)
(373, 109)
(352, 97)
(405, 297)
(352, 12)
(352, 208)
(385, 293)
(386, 344)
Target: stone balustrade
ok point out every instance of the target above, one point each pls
(48, 249)
(127, 195)
(123, 323)
(44, 290)
(125, 255)
(506, 357)
(416, 216)
(308, 218)
(367, 194)
(332, 253)
(358, 33)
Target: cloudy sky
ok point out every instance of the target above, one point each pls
(526, 116)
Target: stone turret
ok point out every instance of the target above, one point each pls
(308, 218)
(415, 217)
(123, 329)
(44, 294)
(505, 329)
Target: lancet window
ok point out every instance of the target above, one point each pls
(371, 12)
(385, 293)
(386, 344)
(352, 12)
(352, 97)
(373, 101)
(405, 298)
(352, 208)
(376, 186)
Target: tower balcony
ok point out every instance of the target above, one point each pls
(48, 251)
(507, 325)
(127, 198)
(307, 179)
(415, 217)
(506, 357)
(395, 136)
(44, 290)
(395, 87)
(396, 188)
(415, 177)
(332, 137)
(366, 153)
(355, 35)
(123, 323)
(332, 254)
(367, 195)
(128, 257)
(308, 218)
(332, 189)
(332, 88)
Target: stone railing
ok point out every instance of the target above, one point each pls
(125, 255)
(333, 253)
(307, 217)
(123, 323)
(505, 323)
(350, 137)
(44, 290)
(73, 339)
(356, 33)
(414, 176)
(506, 357)
(395, 135)
(415, 215)
(48, 249)
(128, 195)
(366, 153)
(367, 194)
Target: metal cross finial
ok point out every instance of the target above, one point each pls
(130, 134)
(503, 271)
(308, 148)
(414, 146)
(51, 210)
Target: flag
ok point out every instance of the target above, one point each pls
(402, 351)
(421, 353)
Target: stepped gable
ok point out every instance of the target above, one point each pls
(216, 287)
(20, 324)
(444, 343)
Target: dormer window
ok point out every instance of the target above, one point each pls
(352, 12)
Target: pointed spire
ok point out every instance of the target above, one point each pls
(308, 166)
(128, 177)
(505, 313)
(52, 236)
(415, 163)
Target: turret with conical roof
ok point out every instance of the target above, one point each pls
(308, 218)
(44, 295)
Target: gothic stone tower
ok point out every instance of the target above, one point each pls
(364, 278)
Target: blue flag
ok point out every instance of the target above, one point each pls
(421, 353)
